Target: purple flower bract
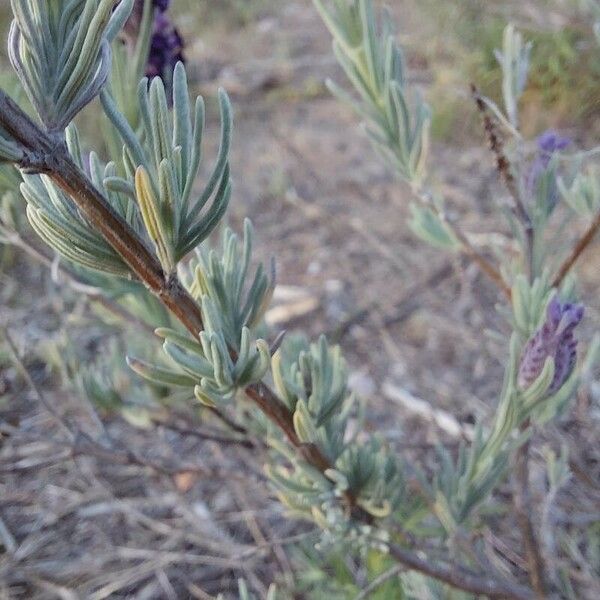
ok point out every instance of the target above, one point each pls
(548, 143)
(553, 339)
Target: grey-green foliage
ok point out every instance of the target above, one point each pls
(313, 385)
(545, 196)
(583, 194)
(59, 223)
(108, 384)
(427, 223)
(60, 50)
(241, 299)
(161, 162)
(155, 195)
(227, 355)
(397, 124)
(11, 207)
(10, 151)
(514, 60)
(339, 574)
(417, 586)
(374, 64)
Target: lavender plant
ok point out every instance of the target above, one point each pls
(136, 219)
(541, 374)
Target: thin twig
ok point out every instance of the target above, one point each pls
(459, 577)
(481, 261)
(467, 248)
(577, 251)
(228, 420)
(204, 434)
(522, 495)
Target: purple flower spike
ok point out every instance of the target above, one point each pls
(166, 48)
(555, 339)
(162, 5)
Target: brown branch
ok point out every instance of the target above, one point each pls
(504, 169)
(578, 250)
(483, 263)
(47, 155)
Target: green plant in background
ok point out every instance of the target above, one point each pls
(129, 224)
(563, 78)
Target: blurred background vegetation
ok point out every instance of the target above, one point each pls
(454, 42)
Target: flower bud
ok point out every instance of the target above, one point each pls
(553, 339)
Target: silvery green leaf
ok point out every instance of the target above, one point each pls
(10, 151)
(167, 147)
(158, 375)
(304, 425)
(59, 223)
(529, 303)
(426, 224)
(61, 52)
(373, 63)
(209, 368)
(239, 297)
(514, 61)
(583, 195)
(244, 593)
